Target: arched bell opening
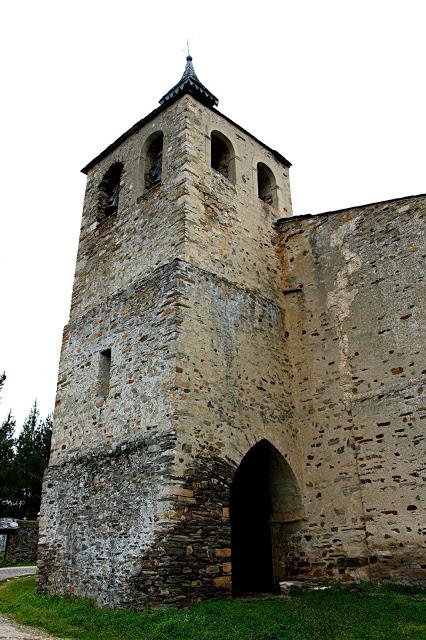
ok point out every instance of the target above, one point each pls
(265, 503)
(109, 191)
(266, 185)
(153, 160)
(222, 156)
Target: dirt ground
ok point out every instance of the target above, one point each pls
(9, 630)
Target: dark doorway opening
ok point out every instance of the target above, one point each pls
(263, 491)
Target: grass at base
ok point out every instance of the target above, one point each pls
(336, 614)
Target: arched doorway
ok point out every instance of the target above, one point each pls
(265, 497)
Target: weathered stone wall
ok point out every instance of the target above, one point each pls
(230, 394)
(228, 227)
(101, 515)
(106, 488)
(233, 370)
(355, 334)
(138, 325)
(21, 544)
(148, 229)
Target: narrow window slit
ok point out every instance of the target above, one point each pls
(104, 374)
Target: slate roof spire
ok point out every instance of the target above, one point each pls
(189, 83)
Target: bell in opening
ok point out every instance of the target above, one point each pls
(154, 162)
(222, 156)
(109, 191)
(266, 185)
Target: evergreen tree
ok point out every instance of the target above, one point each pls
(7, 456)
(44, 440)
(22, 463)
(32, 456)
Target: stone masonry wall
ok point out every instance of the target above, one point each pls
(231, 362)
(99, 513)
(233, 371)
(138, 326)
(228, 227)
(21, 544)
(106, 488)
(355, 334)
(230, 394)
(148, 229)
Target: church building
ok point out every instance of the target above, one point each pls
(239, 390)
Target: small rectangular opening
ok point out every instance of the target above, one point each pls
(104, 372)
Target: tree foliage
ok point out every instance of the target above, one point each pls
(7, 456)
(23, 460)
(2, 379)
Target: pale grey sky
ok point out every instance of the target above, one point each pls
(336, 86)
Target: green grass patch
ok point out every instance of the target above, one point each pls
(370, 613)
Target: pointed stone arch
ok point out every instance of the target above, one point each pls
(265, 502)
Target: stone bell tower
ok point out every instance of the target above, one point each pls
(172, 365)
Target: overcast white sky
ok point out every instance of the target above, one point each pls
(338, 87)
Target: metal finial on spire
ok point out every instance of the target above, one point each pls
(189, 83)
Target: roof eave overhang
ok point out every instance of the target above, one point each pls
(195, 88)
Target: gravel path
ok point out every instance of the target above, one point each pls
(15, 572)
(10, 630)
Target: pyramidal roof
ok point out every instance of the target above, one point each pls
(189, 83)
